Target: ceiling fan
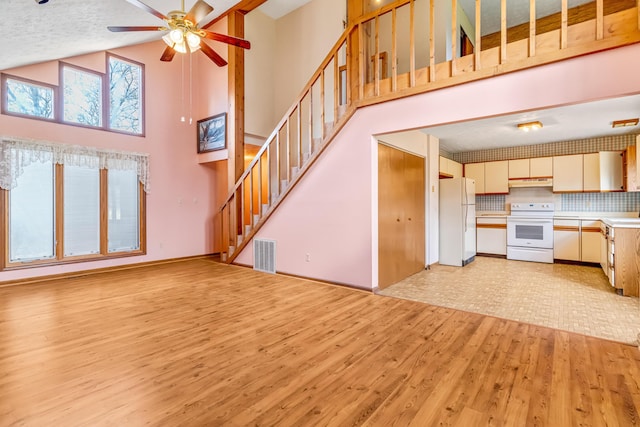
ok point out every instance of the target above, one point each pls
(185, 32)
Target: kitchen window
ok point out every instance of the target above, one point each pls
(68, 203)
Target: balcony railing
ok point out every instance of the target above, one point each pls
(406, 48)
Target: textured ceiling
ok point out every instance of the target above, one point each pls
(32, 33)
(559, 124)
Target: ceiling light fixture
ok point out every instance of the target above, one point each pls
(530, 126)
(624, 123)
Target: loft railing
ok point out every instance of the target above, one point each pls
(406, 48)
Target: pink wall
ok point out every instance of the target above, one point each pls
(180, 205)
(328, 214)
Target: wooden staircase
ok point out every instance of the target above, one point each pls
(353, 76)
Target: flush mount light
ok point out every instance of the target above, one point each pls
(530, 126)
(624, 123)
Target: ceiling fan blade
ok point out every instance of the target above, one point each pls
(168, 54)
(199, 10)
(235, 41)
(148, 9)
(219, 60)
(117, 29)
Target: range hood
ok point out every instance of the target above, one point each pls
(531, 182)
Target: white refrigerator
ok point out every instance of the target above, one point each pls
(457, 221)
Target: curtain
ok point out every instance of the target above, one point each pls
(16, 154)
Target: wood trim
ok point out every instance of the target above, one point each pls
(591, 229)
(454, 36)
(493, 226)
(243, 7)
(478, 37)
(412, 44)
(575, 15)
(503, 31)
(432, 42)
(58, 197)
(566, 228)
(599, 20)
(532, 28)
(563, 25)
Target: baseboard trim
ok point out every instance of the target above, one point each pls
(72, 274)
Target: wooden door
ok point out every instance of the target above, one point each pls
(401, 216)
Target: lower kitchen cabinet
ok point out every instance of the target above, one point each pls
(590, 244)
(624, 258)
(566, 239)
(491, 236)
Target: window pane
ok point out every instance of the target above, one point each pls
(125, 96)
(31, 214)
(29, 99)
(124, 232)
(81, 211)
(82, 97)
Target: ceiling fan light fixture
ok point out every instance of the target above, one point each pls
(193, 40)
(526, 127)
(176, 35)
(180, 47)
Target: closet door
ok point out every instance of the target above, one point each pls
(401, 216)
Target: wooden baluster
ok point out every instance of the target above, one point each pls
(503, 31)
(394, 51)
(287, 127)
(361, 63)
(260, 187)
(322, 100)
(348, 72)
(563, 25)
(310, 121)
(412, 44)
(478, 47)
(376, 58)
(251, 190)
(432, 42)
(638, 8)
(336, 82)
(299, 132)
(600, 19)
(269, 189)
(277, 162)
(454, 36)
(532, 28)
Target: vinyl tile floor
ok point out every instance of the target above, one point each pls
(574, 298)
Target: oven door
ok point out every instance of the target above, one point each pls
(530, 232)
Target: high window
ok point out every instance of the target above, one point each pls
(68, 203)
(111, 101)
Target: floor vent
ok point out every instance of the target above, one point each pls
(264, 255)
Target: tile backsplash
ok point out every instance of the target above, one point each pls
(579, 202)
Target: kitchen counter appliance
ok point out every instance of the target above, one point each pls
(530, 232)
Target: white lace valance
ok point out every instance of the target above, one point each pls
(16, 154)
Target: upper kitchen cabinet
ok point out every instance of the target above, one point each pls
(519, 168)
(475, 171)
(541, 167)
(537, 167)
(567, 173)
(496, 177)
(603, 171)
(630, 179)
(450, 168)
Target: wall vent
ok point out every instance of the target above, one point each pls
(264, 255)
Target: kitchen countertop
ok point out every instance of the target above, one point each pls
(612, 219)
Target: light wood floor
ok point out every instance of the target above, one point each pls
(201, 343)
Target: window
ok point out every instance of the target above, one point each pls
(31, 214)
(89, 204)
(82, 96)
(113, 101)
(27, 98)
(125, 96)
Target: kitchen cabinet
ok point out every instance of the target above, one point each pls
(590, 244)
(496, 177)
(519, 168)
(491, 235)
(475, 171)
(450, 168)
(566, 239)
(536, 167)
(603, 249)
(591, 172)
(630, 178)
(603, 171)
(567, 173)
(541, 167)
(623, 255)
